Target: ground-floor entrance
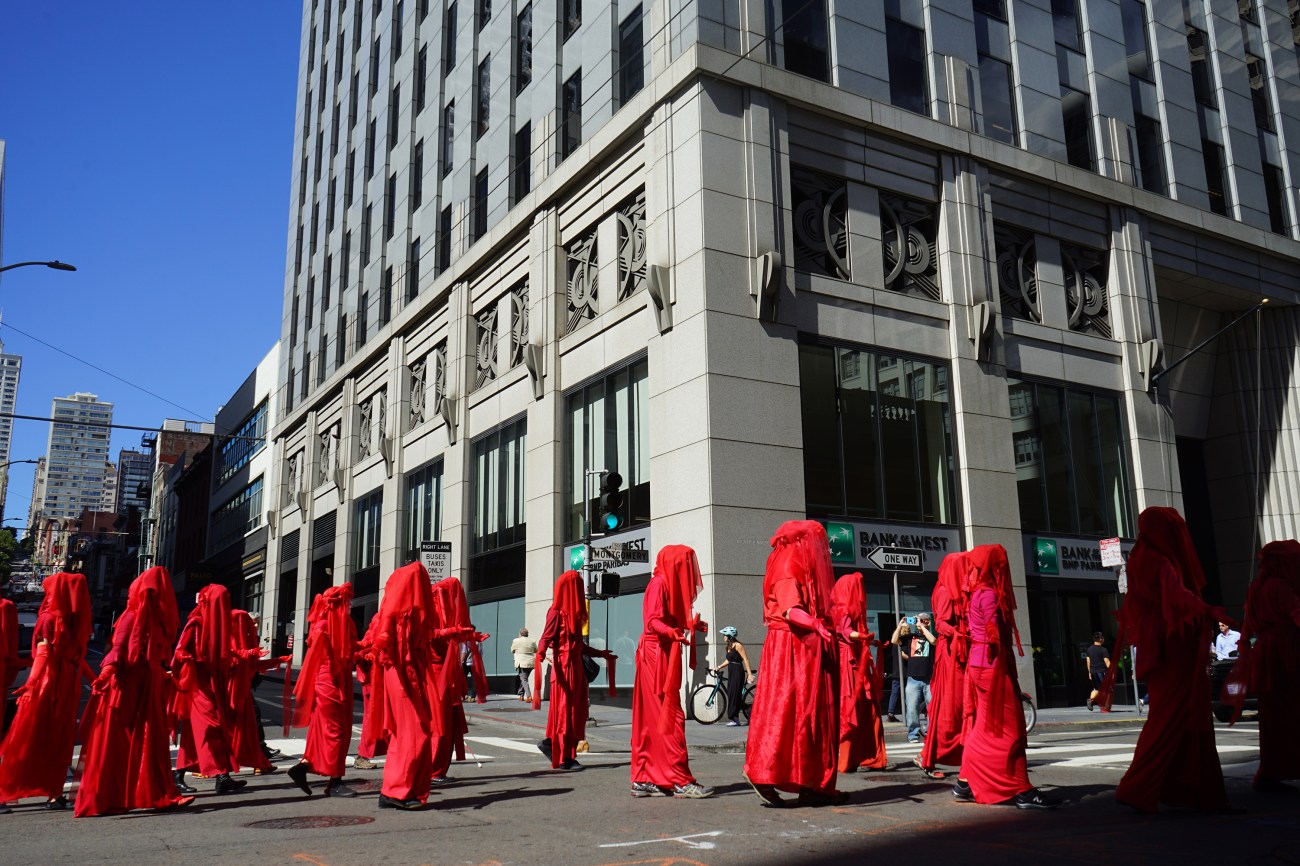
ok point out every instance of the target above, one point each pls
(1062, 618)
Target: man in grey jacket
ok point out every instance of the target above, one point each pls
(524, 650)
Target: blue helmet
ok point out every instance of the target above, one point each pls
(728, 631)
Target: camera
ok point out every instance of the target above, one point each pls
(911, 620)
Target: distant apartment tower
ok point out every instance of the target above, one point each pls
(76, 456)
(38, 496)
(108, 501)
(10, 368)
(134, 476)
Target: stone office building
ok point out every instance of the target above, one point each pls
(911, 268)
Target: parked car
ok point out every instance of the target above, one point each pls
(1219, 671)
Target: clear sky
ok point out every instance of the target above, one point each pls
(148, 142)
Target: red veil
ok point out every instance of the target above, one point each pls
(801, 550)
(570, 602)
(64, 619)
(332, 641)
(679, 569)
(453, 612)
(156, 621)
(849, 602)
(403, 633)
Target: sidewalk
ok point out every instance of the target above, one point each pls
(610, 722)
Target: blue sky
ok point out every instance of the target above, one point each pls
(150, 144)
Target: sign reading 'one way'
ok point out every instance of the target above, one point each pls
(436, 558)
(897, 558)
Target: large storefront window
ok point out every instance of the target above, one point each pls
(365, 529)
(497, 504)
(423, 508)
(877, 436)
(1071, 469)
(607, 427)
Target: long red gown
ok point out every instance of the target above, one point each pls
(1273, 616)
(862, 732)
(324, 691)
(450, 684)
(245, 737)
(659, 755)
(125, 755)
(566, 719)
(947, 690)
(1175, 762)
(794, 726)
(371, 744)
(202, 667)
(10, 661)
(37, 753)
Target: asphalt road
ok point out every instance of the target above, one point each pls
(510, 808)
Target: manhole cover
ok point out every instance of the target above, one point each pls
(316, 822)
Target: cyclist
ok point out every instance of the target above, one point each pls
(736, 657)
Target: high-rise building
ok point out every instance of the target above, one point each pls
(858, 263)
(76, 456)
(134, 478)
(108, 502)
(11, 367)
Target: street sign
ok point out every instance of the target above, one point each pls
(1111, 555)
(436, 558)
(1123, 579)
(897, 558)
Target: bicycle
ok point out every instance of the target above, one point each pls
(1031, 712)
(709, 700)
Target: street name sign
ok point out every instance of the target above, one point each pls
(897, 558)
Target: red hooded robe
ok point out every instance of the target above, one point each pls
(10, 661)
(450, 684)
(658, 721)
(372, 743)
(323, 695)
(993, 733)
(862, 733)
(794, 726)
(566, 721)
(125, 754)
(1175, 761)
(36, 754)
(403, 688)
(947, 682)
(203, 667)
(245, 737)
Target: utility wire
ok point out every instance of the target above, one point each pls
(98, 425)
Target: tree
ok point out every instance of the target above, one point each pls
(8, 549)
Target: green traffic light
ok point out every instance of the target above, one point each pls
(611, 521)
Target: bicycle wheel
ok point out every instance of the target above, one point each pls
(1031, 712)
(747, 701)
(708, 704)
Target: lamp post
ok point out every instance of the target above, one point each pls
(56, 265)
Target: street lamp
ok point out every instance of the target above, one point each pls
(56, 265)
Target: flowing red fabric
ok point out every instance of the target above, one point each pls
(993, 734)
(947, 682)
(245, 736)
(202, 667)
(862, 732)
(37, 753)
(659, 754)
(125, 758)
(1271, 667)
(1175, 761)
(566, 720)
(374, 742)
(794, 725)
(10, 661)
(453, 611)
(411, 715)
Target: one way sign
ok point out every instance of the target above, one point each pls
(897, 558)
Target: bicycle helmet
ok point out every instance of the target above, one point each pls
(728, 631)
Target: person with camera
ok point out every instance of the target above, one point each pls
(893, 663)
(918, 657)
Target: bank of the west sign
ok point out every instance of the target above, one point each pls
(853, 543)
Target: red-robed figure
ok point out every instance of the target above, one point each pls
(402, 693)
(862, 733)
(202, 667)
(566, 720)
(1271, 667)
(10, 662)
(659, 759)
(323, 696)
(36, 754)
(947, 682)
(125, 754)
(246, 736)
(450, 684)
(993, 768)
(794, 727)
(1175, 761)
(373, 743)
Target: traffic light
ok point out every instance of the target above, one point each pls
(609, 584)
(611, 500)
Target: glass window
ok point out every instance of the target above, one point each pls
(908, 86)
(1071, 466)
(1065, 22)
(449, 39)
(571, 13)
(608, 427)
(631, 57)
(877, 436)
(997, 91)
(524, 48)
(483, 105)
(241, 514)
(1136, 43)
(523, 162)
(805, 34)
(448, 135)
(498, 523)
(247, 440)
(571, 122)
(1076, 112)
(366, 516)
(423, 508)
(1150, 153)
(480, 204)
(1216, 184)
(1274, 184)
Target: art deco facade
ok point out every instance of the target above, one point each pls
(910, 268)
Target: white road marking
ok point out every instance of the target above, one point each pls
(689, 841)
(525, 746)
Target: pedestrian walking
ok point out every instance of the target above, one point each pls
(1097, 660)
(947, 682)
(566, 719)
(862, 733)
(323, 697)
(794, 726)
(660, 764)
(738, 672)
(524, 651)
(1271, 667)
(1175, 761)
(125, 758)
(202, 668)
(37, 752)
(994, 768)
